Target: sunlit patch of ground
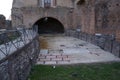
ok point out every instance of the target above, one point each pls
(59, 49)
(43, 43)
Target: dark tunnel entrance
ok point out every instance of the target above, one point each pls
(49, 25)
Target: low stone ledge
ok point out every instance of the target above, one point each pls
(105, 42)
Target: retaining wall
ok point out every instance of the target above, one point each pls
(105, 42)
(18, 65)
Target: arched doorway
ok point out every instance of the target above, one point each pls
(49, 25)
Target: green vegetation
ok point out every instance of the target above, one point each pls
(108, 71)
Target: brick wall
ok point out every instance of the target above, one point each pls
(99, 16)
(108, 17)
(92, 16)
(35, 3)
(85, 16)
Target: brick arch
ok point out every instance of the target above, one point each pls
(49, 25)
(62, 20)
(54, 17)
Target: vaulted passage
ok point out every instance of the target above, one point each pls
(49, 25)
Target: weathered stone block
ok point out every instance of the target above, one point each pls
(108, 46)
(108, 43)
(80, 35)
(116, 48)
(93, 39)
(89, 37)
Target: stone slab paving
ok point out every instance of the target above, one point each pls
(61, 50)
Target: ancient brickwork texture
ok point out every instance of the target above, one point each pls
(34, 3)
(91, 16)
(86, 12)
(18, 65)
(108, 17)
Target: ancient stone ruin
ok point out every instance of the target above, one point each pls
(91, 16)
(92, 21)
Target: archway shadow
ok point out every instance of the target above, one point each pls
(49, 25)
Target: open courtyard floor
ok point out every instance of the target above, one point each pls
(61, 50)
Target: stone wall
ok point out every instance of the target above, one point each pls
(91, 16)
(98, 16)
(30, 15)
(28, 12)
(105, 42)
(18, 65)
(86, 12)
(34, 3)
(108, 17)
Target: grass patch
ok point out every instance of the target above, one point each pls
(109, 71)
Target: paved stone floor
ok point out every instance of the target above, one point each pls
(59, 49)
